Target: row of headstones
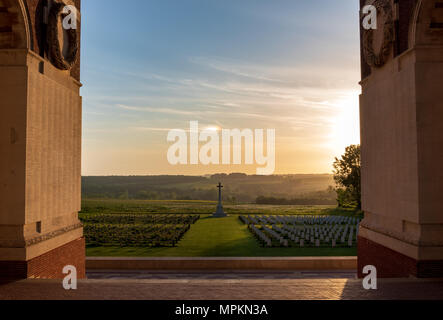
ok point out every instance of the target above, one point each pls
(322, 233)
(299, 235)
(283, 242)
(325, 230)
(304, 220)
(317, 231)
(337, 229)
(260, 235)
(302, 241)
(265, 239)
(249, 220)
(317, 238)
(244, 220)
(276, 236)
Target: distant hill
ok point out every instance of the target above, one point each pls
(238, 187)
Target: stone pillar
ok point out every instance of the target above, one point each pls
(402, 140)
(40, 142)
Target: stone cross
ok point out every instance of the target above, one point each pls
(220, 212)
(219, 192)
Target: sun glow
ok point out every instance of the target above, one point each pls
(213, 128)
(346, 125)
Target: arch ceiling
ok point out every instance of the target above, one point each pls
(427, 23)
(14, 25)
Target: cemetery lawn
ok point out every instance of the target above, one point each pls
(211, 237)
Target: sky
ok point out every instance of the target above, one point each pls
(152, 66)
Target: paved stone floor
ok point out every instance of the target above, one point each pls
(224, 286)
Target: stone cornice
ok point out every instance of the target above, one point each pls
(39, 238)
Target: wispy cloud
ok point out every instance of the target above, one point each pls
(150, 129)
(155, 110)
(233, 69)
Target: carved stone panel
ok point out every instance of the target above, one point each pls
(378, 43)
(63, 44)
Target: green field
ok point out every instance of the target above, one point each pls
(210, 237)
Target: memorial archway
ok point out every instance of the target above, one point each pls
(40, 144)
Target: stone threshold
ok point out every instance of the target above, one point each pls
(221, 263)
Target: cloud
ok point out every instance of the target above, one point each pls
(319, 74)
(150, 129)
(231, 68)
(155, 110)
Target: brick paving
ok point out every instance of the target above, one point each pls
(224, 286)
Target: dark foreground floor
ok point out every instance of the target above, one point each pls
(224, 286)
